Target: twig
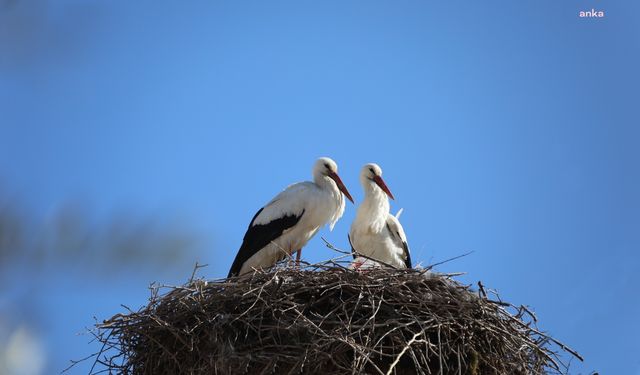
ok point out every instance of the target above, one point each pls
(413, 339)
(195, 269)
(450, 259)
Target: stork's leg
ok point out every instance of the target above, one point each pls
(298, 255)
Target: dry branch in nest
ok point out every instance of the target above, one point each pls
(325, 318)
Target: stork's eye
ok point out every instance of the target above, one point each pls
(371, 169)
(326, 165)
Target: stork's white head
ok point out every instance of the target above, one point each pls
(371, 178)
(326, 167)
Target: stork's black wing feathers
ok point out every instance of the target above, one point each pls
(405, 246)
(407, 260)
(259, 236)
(353, 251)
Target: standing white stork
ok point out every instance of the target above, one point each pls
(376, 233)
(290, 219)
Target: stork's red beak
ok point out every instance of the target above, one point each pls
(343, 189)
(380, 182)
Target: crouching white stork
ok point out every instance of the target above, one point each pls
(375, 233)
(289, 221)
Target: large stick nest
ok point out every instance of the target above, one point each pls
(327, 319)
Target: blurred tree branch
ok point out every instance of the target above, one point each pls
(72, 238)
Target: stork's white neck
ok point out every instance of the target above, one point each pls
(375, 207)
(325, 183)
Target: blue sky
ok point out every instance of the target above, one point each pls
(506, 128)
